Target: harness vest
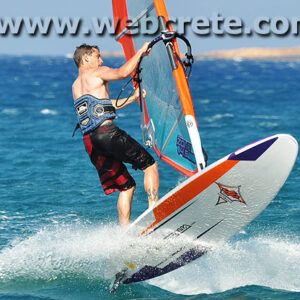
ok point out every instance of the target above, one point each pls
(92, 112)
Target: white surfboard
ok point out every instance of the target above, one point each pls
(209, 208)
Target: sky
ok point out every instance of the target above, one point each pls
(53, 44)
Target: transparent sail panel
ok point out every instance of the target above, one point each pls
(162, 100)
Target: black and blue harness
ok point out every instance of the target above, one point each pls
(92, 112)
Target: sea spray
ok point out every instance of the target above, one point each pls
(60, 251)
(91, 252)
(260, 261)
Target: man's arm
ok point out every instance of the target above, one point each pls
(124, 102)
(108, 74)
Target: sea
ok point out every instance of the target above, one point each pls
(57, 227)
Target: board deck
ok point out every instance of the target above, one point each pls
(209, 207)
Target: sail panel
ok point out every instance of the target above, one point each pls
(163, 104)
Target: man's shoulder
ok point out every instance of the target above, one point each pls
(101, 69)
(75, 83)
(99, 73)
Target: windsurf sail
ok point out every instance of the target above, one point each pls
(168, 114)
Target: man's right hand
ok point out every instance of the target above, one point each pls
(145, 49)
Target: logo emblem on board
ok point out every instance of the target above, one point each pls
(229, 194)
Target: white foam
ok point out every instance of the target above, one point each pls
(218, 117)
(244, 92)
(54, 252)
(63, 250)
(10, 111)
(47, 111)
(265, 117)
(205, 101)
(98, 252)
(268, 124)
(260, 261)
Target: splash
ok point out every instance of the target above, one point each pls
(60, 252)
(96, 253)
(262, 261)
(65, 251)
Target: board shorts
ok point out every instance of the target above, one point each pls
(108, 147)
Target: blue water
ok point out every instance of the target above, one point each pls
(56, 225)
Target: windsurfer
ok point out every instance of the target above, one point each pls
(107, 145)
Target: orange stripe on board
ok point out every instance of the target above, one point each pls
(190, 191)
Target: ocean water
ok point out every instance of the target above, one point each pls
(57, 228)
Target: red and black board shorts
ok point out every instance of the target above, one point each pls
(108, 147)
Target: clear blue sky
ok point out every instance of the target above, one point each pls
(54, 44)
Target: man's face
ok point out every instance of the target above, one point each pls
(95, 59)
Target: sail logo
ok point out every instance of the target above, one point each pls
(229, 194)
(185, 149)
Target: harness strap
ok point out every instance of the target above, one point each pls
(104, 109)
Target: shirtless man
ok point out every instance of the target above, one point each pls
(107, 145)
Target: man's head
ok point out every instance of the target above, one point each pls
(86, 54)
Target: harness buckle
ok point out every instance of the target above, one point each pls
(98, 110)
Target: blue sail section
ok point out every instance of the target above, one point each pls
(164, 113)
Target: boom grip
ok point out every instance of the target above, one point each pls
(156, 40)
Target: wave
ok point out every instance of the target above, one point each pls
(205, 101)
(268, 124)
(10, 111)
(62, 250)
(261, 261)
(265, 117)
(218, 117)
(47, 111)
(244, 91)
(16, 111)
(93, 254)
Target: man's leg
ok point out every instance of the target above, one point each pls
(124, 206)
(151, 183)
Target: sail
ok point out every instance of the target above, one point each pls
(168, 113)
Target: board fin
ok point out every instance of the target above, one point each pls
(118, 278)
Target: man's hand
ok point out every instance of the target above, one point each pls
(145, 50)
(137, 94)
